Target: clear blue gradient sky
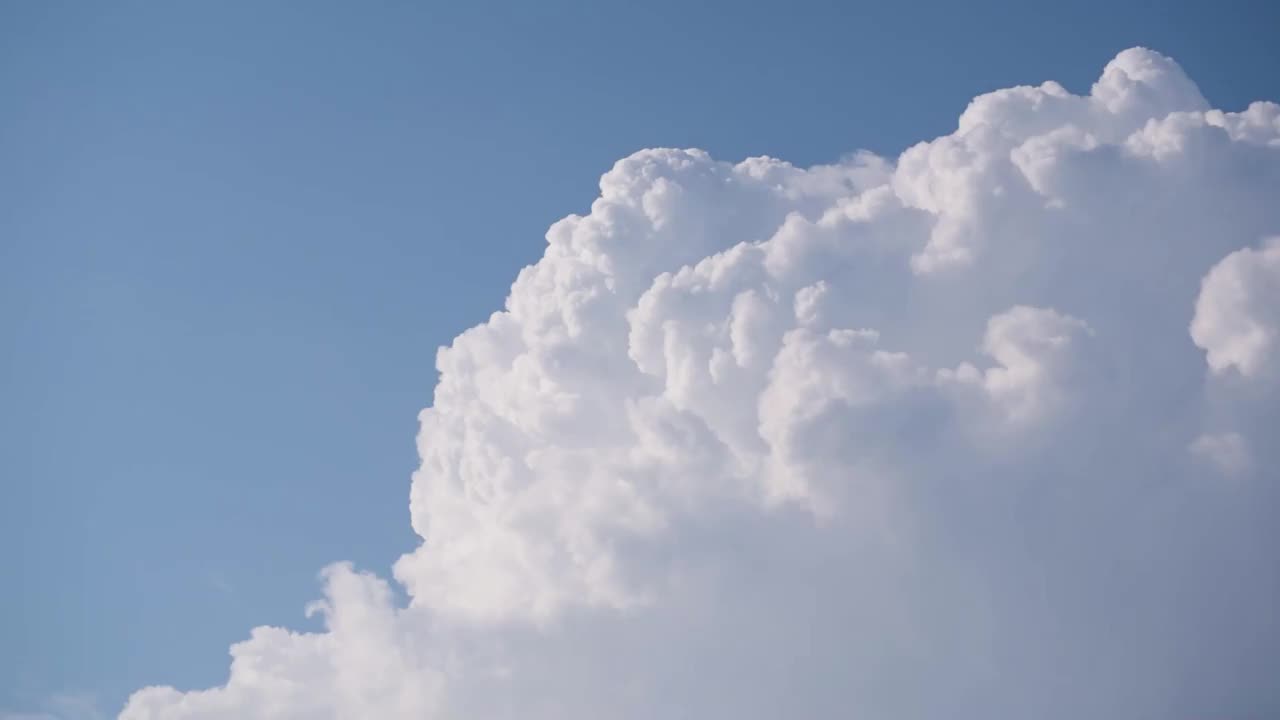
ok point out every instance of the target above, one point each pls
(232, 236)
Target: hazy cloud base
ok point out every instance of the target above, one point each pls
(983, 432)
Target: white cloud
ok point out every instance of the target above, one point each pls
(1237, 318)
(880, 439)
(1228, 452)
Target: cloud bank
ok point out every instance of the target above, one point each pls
(985, 431)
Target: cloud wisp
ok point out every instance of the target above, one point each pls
(983, 431)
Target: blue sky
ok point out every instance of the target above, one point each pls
(232, 236)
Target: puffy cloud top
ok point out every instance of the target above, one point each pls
(910, 438)
(1237, 319)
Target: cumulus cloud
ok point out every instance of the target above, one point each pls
(1237, 318)
(885, 438)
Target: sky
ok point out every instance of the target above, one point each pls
(233, 236)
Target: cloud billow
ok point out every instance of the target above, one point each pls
(981, 432)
